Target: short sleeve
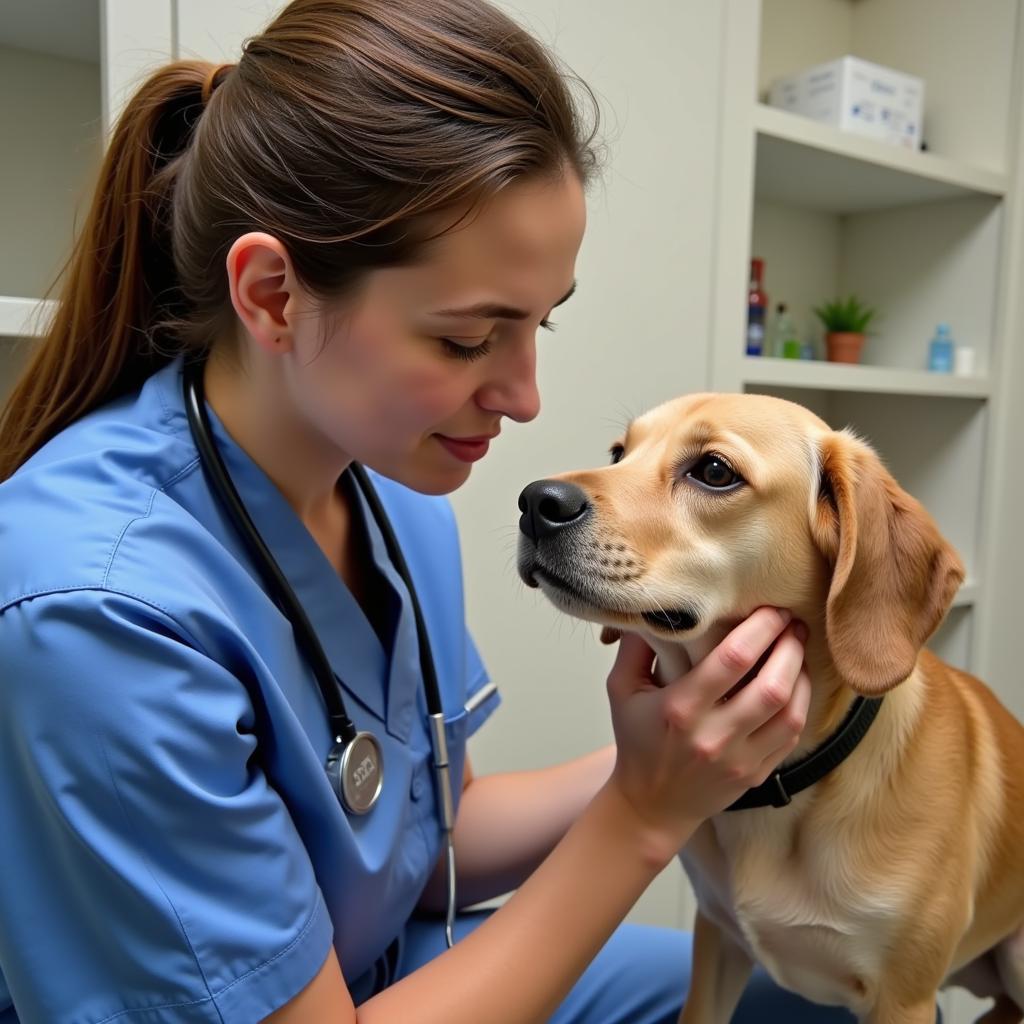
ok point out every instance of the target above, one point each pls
(151, 872)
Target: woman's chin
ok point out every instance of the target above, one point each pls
(426, 476)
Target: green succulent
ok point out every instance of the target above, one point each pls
(848, 314)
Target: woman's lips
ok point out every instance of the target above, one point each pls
(466, 449)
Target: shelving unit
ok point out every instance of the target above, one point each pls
(24, 318)
(50, 120)
(825, 376)
(815, 166)
(925, 237)
(65, 68)
(967, 594)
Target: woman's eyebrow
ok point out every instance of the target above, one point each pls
(496, 311)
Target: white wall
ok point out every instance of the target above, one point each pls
(999, 657)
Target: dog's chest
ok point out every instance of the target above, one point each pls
(802, 913)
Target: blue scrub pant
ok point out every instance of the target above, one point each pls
(639, 977)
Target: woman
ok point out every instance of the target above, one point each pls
(350, 239)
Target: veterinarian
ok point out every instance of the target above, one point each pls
(221, 790)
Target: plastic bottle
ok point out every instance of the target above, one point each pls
(940, 350)
(785, 338)
(757, 306)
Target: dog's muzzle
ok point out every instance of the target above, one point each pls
(554, 550)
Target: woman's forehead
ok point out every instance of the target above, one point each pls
(529, 234)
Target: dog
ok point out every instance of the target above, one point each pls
(902, 868)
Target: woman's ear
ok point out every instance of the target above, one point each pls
(894, 575)
(262, 283)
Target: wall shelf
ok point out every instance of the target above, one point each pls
(814, 166)
(24, 318)
(825, 376)
(967, 594)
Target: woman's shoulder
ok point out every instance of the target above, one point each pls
(65, 514)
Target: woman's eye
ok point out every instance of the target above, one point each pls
(713, 471)
(466, 352)
(616, 451)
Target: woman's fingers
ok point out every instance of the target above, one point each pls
(770, 691)
(775, 740)
(632, 668)
(683, 752)
(735, 656)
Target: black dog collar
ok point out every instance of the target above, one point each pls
(781, 786)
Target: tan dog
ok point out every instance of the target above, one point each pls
(903, 868)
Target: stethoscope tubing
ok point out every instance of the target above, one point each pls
(284, 596)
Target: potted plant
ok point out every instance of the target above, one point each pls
(846, 322)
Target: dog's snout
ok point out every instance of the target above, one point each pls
(550, 505)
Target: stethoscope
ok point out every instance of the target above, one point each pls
(355, 764)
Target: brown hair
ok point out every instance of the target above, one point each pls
(345, 126)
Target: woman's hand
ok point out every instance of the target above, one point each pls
(684, 753)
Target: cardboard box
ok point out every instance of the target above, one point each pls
(855, 95)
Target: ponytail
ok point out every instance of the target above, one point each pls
(120, 282)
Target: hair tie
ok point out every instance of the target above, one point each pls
(210, 81)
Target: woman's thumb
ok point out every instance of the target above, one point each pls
(633, 663)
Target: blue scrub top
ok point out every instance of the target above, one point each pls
(172, 849)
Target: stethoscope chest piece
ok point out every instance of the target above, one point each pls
(356, 771)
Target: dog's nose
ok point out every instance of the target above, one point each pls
(550, 505)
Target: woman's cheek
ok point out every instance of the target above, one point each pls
(434, 394)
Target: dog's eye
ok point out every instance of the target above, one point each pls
(616, 451)
(714, 472)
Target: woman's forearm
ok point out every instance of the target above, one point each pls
(520, 963)
(509, 822)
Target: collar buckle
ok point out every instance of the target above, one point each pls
(778, 795)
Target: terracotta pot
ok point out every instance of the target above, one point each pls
(844, 346)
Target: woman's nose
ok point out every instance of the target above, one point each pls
(511, 386)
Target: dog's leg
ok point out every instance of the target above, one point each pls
(720, 971)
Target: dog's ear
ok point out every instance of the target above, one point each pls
(894, 576)
(609, 635)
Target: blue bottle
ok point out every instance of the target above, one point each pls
(940, 350)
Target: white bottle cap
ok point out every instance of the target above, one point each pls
(963, 360)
